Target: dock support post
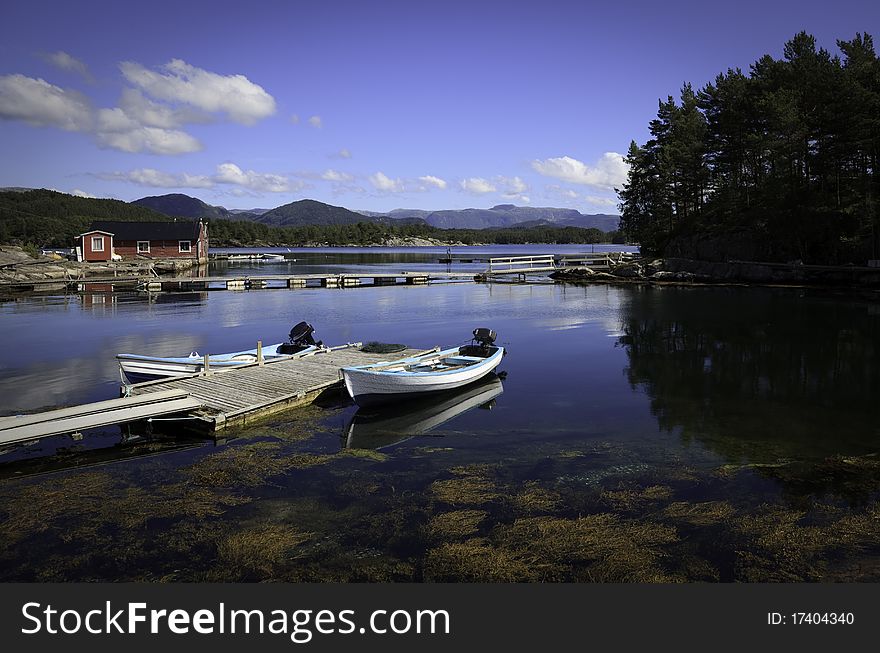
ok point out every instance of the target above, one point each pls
(296, 283)
(206, 365)
(260, 353)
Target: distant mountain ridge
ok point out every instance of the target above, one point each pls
(305, 212)
(506, 215)
(183, 206)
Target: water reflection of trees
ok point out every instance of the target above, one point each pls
(757, 374)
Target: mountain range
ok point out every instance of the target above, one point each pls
(303, 212)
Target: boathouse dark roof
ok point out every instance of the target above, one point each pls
(177, 230)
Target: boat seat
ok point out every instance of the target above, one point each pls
(463, 360)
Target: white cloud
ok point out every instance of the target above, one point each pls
(431, 180)
(294, 119)
(235, 95)
(385, 184)
(336, 175)
(608, 172)
(560, 192)
(343, 154)
(118, 130)
(316, 122)
(513, 185)
(158, 179)
(66, 62)
(138, 124)
(477, 186)
(154, 114)
(81, 193)
(571, 198)
(513, 188)
(229, 173)
(600, 201)
(42, 104)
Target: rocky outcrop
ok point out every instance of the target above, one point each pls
(679, 270)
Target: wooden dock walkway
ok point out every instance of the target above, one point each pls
(325, 280)
(244, 282)
(237, 395)
(532, 265)
(22, 428)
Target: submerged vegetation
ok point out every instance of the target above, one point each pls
(268, 510)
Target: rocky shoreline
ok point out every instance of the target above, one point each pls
(687, 271)
(16, 265)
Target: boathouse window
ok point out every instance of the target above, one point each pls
(185, 246)
(97, 243)
(143, 247)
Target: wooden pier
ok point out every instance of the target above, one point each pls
(242, 282)
(22, 428)
(523, 266)
(207, 402)
(296, 281)
(237, 395)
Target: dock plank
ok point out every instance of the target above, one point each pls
(16, 421)
(125, 412)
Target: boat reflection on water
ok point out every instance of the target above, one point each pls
(375, 428)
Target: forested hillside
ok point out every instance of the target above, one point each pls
(780, 163)
(233, 233)
(47, 218)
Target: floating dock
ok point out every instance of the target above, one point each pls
(208, 402)
(22, 428)
(238, 395)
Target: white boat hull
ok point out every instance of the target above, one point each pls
(369, 387)
(139, 368)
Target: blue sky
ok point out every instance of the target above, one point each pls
(367, 105)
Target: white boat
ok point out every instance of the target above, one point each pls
(417, 376)
(379, 428)
(137, 368)
(257, 258)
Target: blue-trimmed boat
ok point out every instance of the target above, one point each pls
(138, 368)
(418, 376)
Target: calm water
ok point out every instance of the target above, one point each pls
(637, 434)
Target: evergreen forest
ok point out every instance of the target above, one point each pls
(780, 163)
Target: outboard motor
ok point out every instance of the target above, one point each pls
(482, 344)
(300, 338)
(485, 337)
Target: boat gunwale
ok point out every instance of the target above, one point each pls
(365, 369)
